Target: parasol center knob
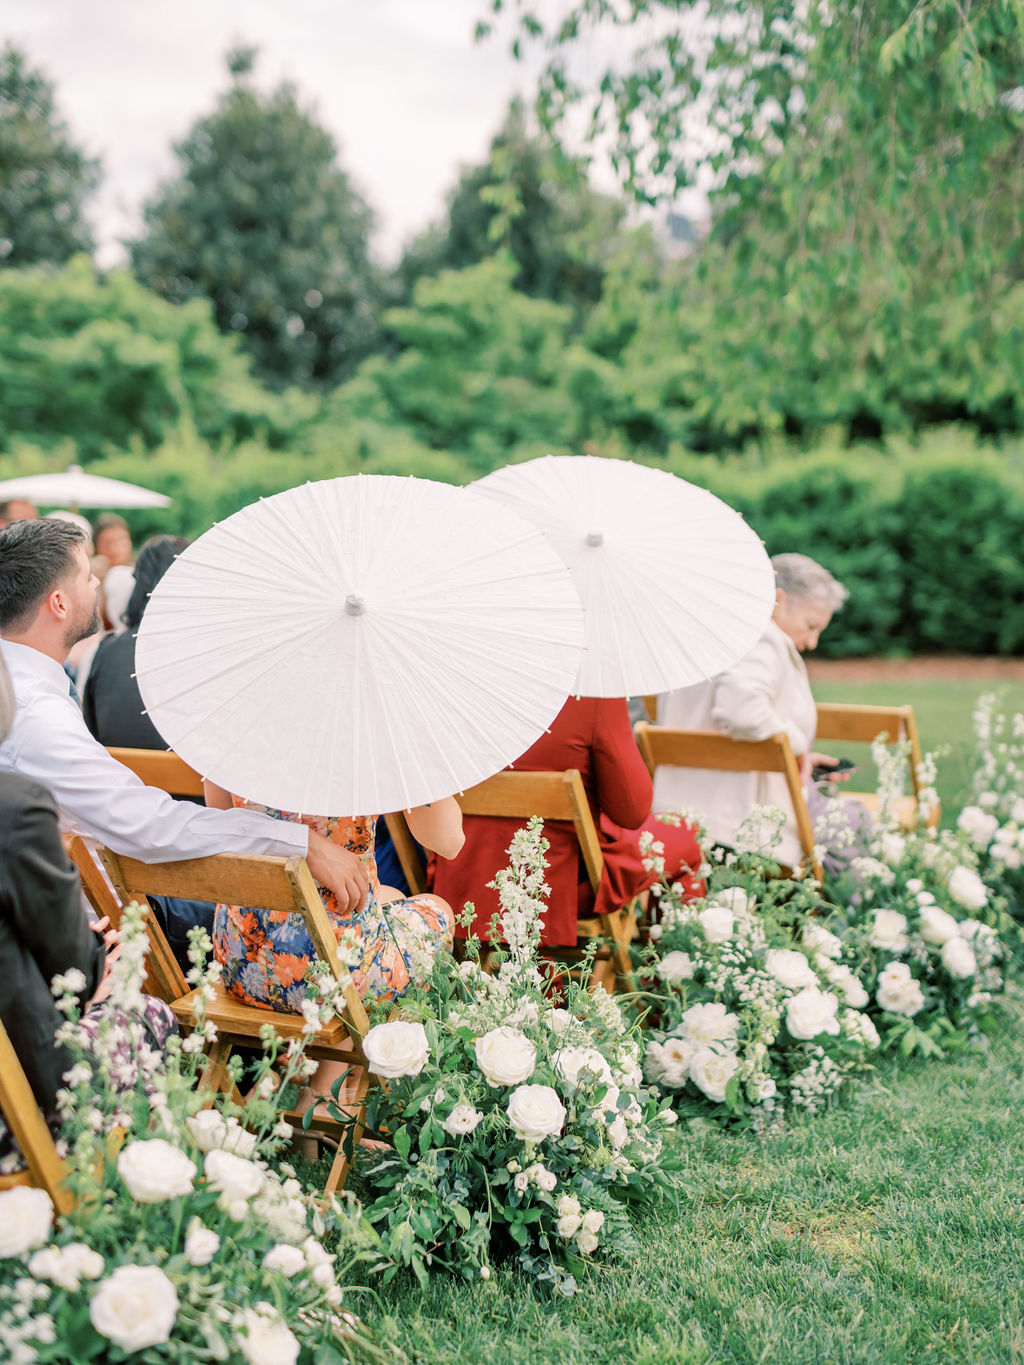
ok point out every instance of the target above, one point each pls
(595, 538)
(355, 604)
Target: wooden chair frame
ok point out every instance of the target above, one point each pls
(273, 884)
(43, 1166)
(862, 724)
(161, 768)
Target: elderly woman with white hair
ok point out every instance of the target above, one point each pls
(766, 693)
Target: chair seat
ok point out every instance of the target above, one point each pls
(234, 1019)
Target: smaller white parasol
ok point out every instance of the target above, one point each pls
(74, 488)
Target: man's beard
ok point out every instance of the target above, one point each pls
(82, 632)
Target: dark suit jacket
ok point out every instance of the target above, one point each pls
(43, 930)
(111, 702)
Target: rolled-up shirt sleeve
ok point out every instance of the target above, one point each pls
(101, 797)
(743, 700)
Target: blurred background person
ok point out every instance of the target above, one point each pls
(16, 509)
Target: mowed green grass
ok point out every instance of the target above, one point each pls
(943, 709)
(889, 1231)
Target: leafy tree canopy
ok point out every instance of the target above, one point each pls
(44, 178)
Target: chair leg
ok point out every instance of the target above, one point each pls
(342, 1163)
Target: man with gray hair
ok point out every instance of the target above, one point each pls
(48, 601)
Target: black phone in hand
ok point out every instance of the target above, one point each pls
(844, 765)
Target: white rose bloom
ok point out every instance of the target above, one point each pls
(66, 1266)
(936, 926)
(967, 888)
(979, 825)
(398, 1048)
(26, 1220)
(868, 1031)
(558, 1021)
(851, 986)
(263, 1339)
(545, 1180)
(712, 1070)
(764, 1088)
(817, 939)
(210, 1129)
(201, 1243)
(915, 885)
(889, 931)
(790, 968)
(462, 1120)
(154, 1170)
(811, 1012)
(958, 957)
(505, 1056)
(587, 1242)
(286, 1259)
(975, 932)
(234, 1177)
(717, 923)
(675, 967)
(573, 1062)
(898, 991)
(521, 1182)
(676, 1055)
(618, 1133)
(135, 1307)
(568, 1225)
(709, 1023)
(593, 1220)
(734, 898)
(567, 1203)
(535, 1112)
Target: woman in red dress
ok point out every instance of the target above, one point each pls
(593, 735)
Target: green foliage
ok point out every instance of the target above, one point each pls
(262, 221)
(44, 178)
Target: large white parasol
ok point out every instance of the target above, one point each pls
(74, 488)
(360, 645)
(674, 583)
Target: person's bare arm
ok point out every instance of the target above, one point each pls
(339, 870)
(216, 797)
(438, 827)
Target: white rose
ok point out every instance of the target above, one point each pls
(201, 1244)
(979, 825)
(543, 1178)
(820, 940)
(668, 1063)
(898, 992)
(521, 1182)
(263, 1339)
(567, 1203)
(568, 1225)
(734, 898)
(586, 1242)
(974, 931)
(234, 1177)
(790, 968)
(210, 1129)
(868, 1031)
(154, 1170)
(936, 926)
(712, 1070)
(593, 1220)
(286, 1259)
(889, 931)
(618, 1133)
(675, 967)
(851, 986)
(958, 957)
(811, 1012)
(558, 1021)
(709, 1023)
(398, 1048)
(26, 1220)
(967, 888)
(505, 1056)
(66, 1266)
(135, 1307)
(535, 1112)
(915, 886)
(764, 1088)
(571, 1062)
(463, 1119)
(717, 923)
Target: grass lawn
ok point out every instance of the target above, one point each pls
(887, 1231)
(943, 709)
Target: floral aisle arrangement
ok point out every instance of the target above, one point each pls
(994, 823)
(517, 1121)
(749, 1007)
(189, 1239)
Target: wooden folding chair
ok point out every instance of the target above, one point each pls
(561, 796)
(161, 768)
(408, 852)
(272, 884)
(711, 749)
(43, 1167)
(856, 724)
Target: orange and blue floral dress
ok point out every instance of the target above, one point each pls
(264, 954)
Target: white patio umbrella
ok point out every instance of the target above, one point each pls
(74, 488)
(359, 645)
(674, 583)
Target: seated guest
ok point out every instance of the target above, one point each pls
(265, 953)
(47, 602)
(112, 539)
(764, 694)
(113, 708)
(43, 932)
(594, 736)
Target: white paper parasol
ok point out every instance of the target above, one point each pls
(360, 645)
(674, 583)
(74, 488)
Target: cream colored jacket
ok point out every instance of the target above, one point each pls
(766, 692)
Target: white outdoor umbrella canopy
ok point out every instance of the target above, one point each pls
(360, 645)
(74, 488)
(675, 585)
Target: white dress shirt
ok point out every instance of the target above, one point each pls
(98, 796)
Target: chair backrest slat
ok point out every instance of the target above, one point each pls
(161, 768)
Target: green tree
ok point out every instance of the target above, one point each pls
(262, 221)
(44, 178)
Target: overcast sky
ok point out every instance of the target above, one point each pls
(401, 84)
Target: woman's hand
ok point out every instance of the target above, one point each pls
(340, 871)
(112, 943)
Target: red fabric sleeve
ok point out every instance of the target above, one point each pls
(622, 784)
